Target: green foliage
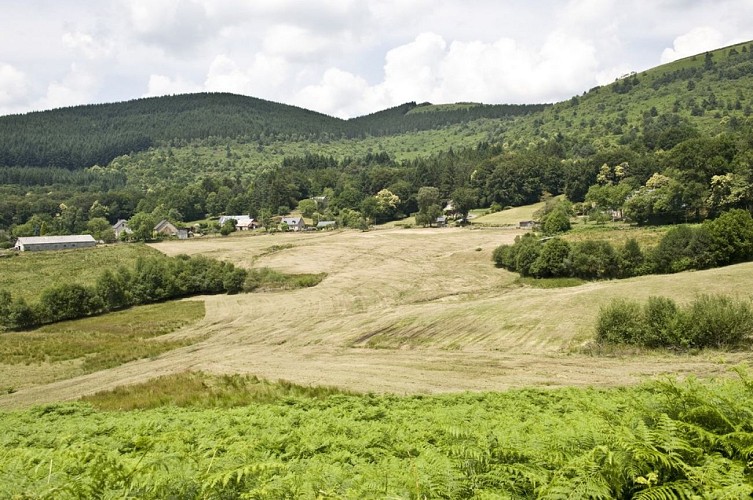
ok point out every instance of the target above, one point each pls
(228, 227)
(68, 301)
(664, 439)
(725, 240)
(556, 221)
(553, 260)
(714, 321)
(153, 279)
(266, 279)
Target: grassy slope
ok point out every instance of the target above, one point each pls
(434, 316)
(26, 274)
(598, 109)
(73, 348)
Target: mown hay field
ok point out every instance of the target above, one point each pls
(407, 311)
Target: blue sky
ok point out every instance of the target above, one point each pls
(345, 57)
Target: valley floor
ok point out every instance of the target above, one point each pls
(407, 311)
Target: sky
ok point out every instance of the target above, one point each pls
(345, 58)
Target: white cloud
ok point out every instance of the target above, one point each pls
(13, 86)
(86, 44)
(427, 69)
(339, 93)
(693, 42)
(79, 86)
(262, 78)
(294, 42)
(164, 85)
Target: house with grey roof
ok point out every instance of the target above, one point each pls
(40, 243)
(294, 223)
(121, 227)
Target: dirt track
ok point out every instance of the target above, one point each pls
(405, 311)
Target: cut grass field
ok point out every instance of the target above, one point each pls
(26, 274)
(407, 311)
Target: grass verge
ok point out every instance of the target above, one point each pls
(202, 390)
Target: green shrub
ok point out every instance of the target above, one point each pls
(553, 260)
(620, 322)
(718, 321)
(662, 322)
(630, 260)
(731, 237)
(709, 321)
(594, 259)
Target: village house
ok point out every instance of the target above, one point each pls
(121, 227)
(294, 223)
(166, 228)
(39, 243)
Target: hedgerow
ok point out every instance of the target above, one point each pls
(725, 240)
(715, 321)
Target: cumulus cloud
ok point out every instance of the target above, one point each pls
(79, 86)
(86, 44)
(262, 78)
(164, 85)
(693, 42)
(174, 25)
(430, 69)
(13, 86)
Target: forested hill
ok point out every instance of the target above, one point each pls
(411, 117)
(82, 136)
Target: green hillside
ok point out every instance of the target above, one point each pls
(654, 109)
(195, 156)
(82, 136)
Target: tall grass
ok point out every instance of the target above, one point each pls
(103, 341)
(202, 390)
(266, 279)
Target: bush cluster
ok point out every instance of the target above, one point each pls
(709, 321)
(719, 242)
(152, 279)
(556, 258)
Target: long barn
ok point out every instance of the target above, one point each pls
(38, 243)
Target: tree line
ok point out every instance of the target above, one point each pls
(152, 279)
(725, 240)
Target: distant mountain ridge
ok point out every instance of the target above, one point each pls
(82, 136)
(708, 92)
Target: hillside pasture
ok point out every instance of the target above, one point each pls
(26, 274)
(407, 311)
(510, 216)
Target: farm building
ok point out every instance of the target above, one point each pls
(326, 224)
(294, 223)
(121, 227)
(166, 228)
(39, 243)
(526, 224)
(242, 222)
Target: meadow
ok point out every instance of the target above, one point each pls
(26, 274)
(407, 311)
(74, 348)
